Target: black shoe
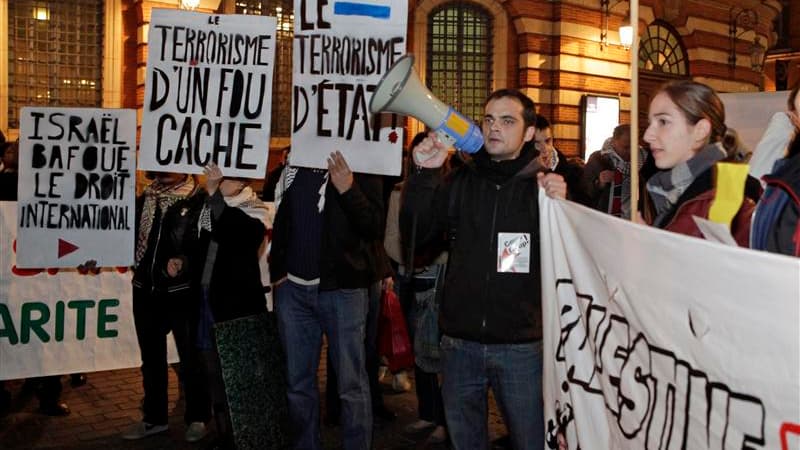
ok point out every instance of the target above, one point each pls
(55, 410)
(384, 415)
(78, 379)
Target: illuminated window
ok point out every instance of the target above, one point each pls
(661, 50)
(459, 65)
(55, 54)
(283, 10)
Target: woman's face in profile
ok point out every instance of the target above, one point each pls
(671, 137)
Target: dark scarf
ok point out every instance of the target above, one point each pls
(666, 187)
(498, 172)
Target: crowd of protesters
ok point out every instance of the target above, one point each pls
(339, 239)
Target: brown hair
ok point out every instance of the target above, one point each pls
(528, 106)
(698, 101)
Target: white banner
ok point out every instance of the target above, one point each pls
(208, 93)
(655, 340)
(341, 51)
(58, 321)
(76, 186)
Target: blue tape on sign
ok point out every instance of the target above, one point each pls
(467, 135)
(361, 9)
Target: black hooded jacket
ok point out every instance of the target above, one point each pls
(469, 208)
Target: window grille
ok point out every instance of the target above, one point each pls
(55, 54)
(459, 64)
(283, 10)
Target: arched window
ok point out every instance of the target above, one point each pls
(55, 54)
(459, 56)
(283, 10)
(661, 50)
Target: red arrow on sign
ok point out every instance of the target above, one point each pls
(65, 248)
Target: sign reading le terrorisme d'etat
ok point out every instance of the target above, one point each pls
(208, 93)
(341, 51)
(76, 187)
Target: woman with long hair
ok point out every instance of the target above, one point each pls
(687, 135)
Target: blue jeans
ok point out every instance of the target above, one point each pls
(513, 371)
(304, 313)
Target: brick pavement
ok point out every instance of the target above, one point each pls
(109, 403)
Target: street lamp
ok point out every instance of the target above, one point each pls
(747, 20)
(191, 5)
(625, 29)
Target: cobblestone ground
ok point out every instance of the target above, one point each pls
(109, 403)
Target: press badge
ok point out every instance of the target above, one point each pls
(514, 252)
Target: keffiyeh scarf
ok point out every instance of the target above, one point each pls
(161, 196)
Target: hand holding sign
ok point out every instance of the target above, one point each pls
(553, 184)
(213, 177)
(340, 174)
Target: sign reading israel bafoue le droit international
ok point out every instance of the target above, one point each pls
(208, 91)
(341, 51)
(76, 189)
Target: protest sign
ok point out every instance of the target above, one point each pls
(76, 186)
(341, 51)
(57, 321)
(208, 93)
(658, 340)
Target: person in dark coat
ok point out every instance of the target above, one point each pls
(166, 234)
(325, 256)
(490, 316)
(233, 227)
(776, 224)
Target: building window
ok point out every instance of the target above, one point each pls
(661, 50)
(283, 10)
(55, 54)
(459, 56)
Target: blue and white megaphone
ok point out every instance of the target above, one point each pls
(400, 91)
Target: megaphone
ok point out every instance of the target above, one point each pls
(400, 91)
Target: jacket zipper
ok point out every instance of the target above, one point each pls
(155, 253)
(491, 253)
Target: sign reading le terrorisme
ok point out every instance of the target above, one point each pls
(341, 51)
(208, 93)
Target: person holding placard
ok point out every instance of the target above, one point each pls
(490, 315)
(166, 232)
(324, 258)
(687, 138)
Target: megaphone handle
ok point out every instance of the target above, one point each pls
(442, 137)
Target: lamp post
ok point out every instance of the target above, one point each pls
(625, 29)
(747, 20)
(191, 5)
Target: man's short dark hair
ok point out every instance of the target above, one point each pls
(621, 129)
(541, 122)
(528, 106)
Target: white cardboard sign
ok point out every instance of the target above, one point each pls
(76, 189)
(341, 51)
(208, 93)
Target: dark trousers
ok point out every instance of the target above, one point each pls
(154, 316)
(429, 396)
